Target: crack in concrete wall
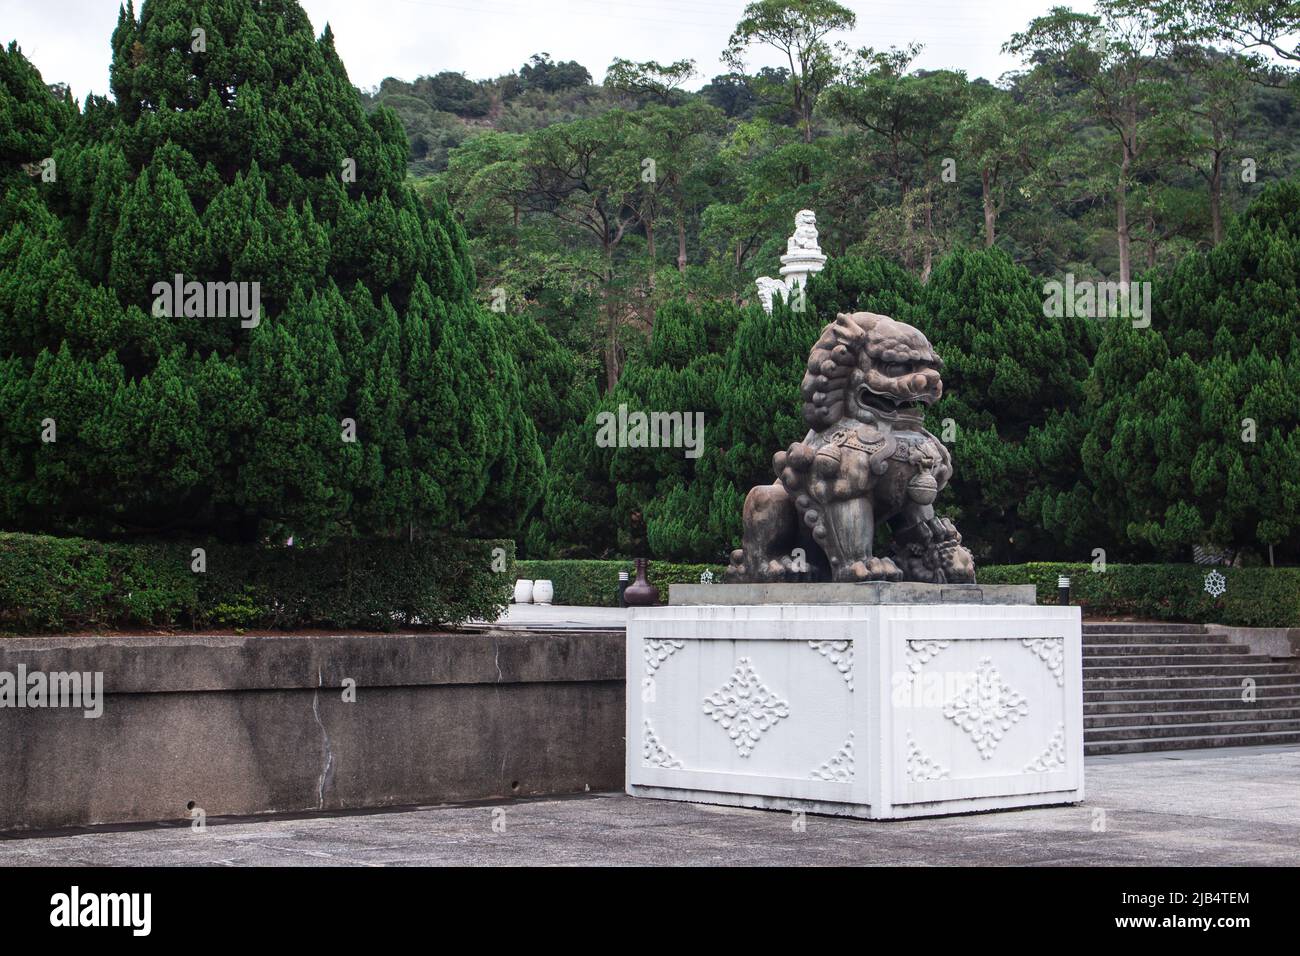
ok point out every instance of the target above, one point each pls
(328, 768)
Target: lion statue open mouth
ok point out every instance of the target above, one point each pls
(866, 459)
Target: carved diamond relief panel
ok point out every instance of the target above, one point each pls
(656, 652)
(986, 709)
(839, 768)
(1053, 758)
(745, 707)
(1051, 651)
(839, 653)
(653, 752)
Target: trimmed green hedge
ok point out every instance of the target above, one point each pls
(1255, 597)
(68, 584)
(595, 583)
(64, 584)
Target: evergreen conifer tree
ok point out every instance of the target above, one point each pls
(370, 394)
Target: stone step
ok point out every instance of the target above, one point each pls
(1167, 686)
(1180, 669)
(1174, 718)
(1215, 661)
(1148, 744)
(1157, 683)
(1170, 692)
(1211, 729)
(1218, 653)
(1108, 640)
(1141, 627)
(1143, 703)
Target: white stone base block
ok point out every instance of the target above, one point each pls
(880, 711)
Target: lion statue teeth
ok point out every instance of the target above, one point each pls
(867, 458)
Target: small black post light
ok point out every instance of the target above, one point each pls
(1063, 590)
(622, 586)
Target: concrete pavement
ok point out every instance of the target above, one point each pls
(1238, 807)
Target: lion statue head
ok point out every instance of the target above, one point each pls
(870, 368)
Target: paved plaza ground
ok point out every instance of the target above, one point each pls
(1238, 807)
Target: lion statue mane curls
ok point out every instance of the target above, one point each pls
(866, 459)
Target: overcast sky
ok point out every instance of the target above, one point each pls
(68, 40)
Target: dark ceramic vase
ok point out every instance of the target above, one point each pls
(641, 593)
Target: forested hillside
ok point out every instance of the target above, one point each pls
(898, 162)
(624, 222)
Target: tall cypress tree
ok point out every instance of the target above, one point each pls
(371, 395)
(1193, 424)
(1013, 384)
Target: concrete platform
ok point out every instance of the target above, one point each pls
(1194, 808)
(563, 617)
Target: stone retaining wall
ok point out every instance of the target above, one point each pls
(258, 724)
(1281, 642)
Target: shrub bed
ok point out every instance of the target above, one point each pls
(62, 584)
(1254, 597)
(66, 584)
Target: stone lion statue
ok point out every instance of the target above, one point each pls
(805, 232)
(866, 459)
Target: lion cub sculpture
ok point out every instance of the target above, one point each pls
(866, 459)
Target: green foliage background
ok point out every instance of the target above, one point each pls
(1067, 434)
(227, 164)
(71, 584)
(503, 273)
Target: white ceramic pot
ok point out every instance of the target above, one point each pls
(523, 592)
(543, 592)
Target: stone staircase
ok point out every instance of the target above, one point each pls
(1174, 687)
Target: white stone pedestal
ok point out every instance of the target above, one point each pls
(798, 266)
(877, 711)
